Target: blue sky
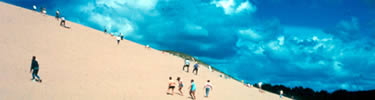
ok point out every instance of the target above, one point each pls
(320, 44)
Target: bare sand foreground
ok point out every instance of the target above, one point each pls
(85, 64)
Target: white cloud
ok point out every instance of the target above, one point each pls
(245, 6)
(195, 30)
(230, 7)
(227, 5)
(249, 34)
(139, 4)
(281, 40)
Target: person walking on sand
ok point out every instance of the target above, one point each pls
(192, 89)
(34, 69)
(57, 14)
(171, 85)
(208, 87)
(118, 39)
(196, 68)
(180, 85)
(187, 64)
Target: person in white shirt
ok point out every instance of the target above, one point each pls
(187, 64)
(44, 11)
(209, 68)
(118, 39)
(281, 93)
(208, 86)
(260, 86)
(62, 23)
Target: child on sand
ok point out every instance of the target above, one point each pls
(180, 85)
(171, 85)
(208, 87)
(35, 69)
(192, 90)
(187, 64)
(196, 68)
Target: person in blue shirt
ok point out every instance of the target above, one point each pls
(196, 68)
(35, 69)
(192, 90)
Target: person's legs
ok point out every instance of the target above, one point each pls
(172, 90)
(190, 93)
(118, 41)
(168, 90)
(179, 89)
(193, 95)
(33, 74)
(195, 70)
(36, 74)
(207, 91)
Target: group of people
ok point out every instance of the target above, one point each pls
(187, 64)
(118, 38)
(44, 12)
(192, 88)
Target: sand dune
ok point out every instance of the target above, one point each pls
(82, 63)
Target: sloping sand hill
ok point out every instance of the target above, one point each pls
(82, 63)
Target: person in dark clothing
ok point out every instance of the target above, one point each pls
(196, 69)
(35, 68)
(57, 14)
(122, 36)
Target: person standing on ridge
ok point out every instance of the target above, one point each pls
(44, 11)
(281, 93)
(122, 36)
(208, 87)
(187, 64)
(41, 9)
(35, 69)
(192, 89)
(57, 14)
(196, 68)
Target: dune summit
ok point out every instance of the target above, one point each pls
(81, 63)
